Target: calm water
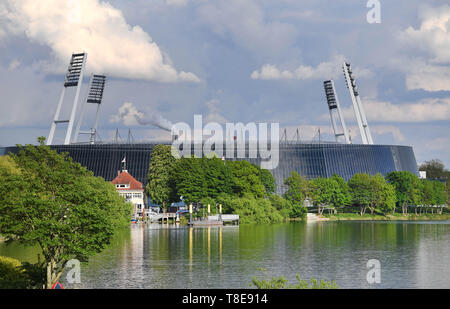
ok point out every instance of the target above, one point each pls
(412, 255)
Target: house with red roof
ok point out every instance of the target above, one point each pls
(132, 190)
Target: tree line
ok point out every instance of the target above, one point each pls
(246, 189)
(375, 194)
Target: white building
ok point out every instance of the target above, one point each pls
(132, 190)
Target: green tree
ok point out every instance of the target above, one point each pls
(344, 198)
(218, 177)
(330, 192)
(323, 190)
(267, 180)
(189, 178)
(435, 169)
(283, 206)
(246, 178)
(360, 188)
(59, 205)
(389, 199)
(297, 188)
(252, 210)
(159, 186)
(406, 188)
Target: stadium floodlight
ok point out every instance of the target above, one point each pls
(333, 106)
(94, 96)
(74, 78)
(357, 104)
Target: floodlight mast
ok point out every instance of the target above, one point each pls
(360, 116)
(333, 105)
(74, 78)
(94, 96)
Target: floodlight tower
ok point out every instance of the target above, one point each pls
(333, 105)
(74, 78)
(357, 105)
(94, 96)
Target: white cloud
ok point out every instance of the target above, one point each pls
(13, 65)
(325, 70)
(246, 23)
(431, 70)
(129, 115)
(214, 112)
(424, 111)
(177, 3)
(421, 75)
(433, 35)
(114, 47)
(381, 130)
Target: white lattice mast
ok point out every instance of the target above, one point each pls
(357, 105)
(334, 107)
(74, 78)
(94, 96)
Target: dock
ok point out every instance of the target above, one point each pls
(216, 220)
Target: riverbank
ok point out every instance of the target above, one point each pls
(393, 217)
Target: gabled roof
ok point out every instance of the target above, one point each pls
(124, 178)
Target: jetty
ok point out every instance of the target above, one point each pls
(216, 220)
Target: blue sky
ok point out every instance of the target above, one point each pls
(232, 60)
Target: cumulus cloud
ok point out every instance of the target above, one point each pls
(114, 47)
(325, 70)
(214, 112)
(177, 3)
(433, 35)
(429, 77)
(424, 111)
(429, 71)
(13, 65)
(394, 131)
(129, 115)
(245, 22)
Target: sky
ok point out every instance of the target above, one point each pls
(230, 61)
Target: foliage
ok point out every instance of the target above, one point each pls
(7, 166)
(60, 205)
(267, 180)
(285, 207)
(12, 275)
(297, 190)
(253, 210)
(435, 169)
(159, 186)
(332, 192)
(282, 283)
(360, 188)
(405, 184)
(246, 179)
(17, 275)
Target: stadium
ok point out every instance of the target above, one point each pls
(311, 160)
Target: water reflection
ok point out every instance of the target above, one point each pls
(412, 255)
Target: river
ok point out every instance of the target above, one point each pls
(411, 255)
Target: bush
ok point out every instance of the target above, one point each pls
(255, 210)
(12, 275)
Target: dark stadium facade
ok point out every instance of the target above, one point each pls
(310, 160)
